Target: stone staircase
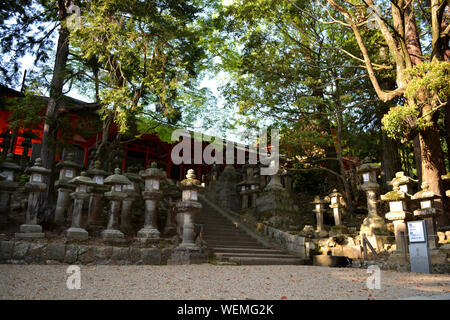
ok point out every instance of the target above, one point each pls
(231, 243)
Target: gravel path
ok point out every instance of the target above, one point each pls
(213, 282)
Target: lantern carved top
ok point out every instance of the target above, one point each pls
(82, 183)
(38, 168)
(395, 195)
(190, 182)
(97, 170)
(133, 176)
(317, 200)
(425, 193)
(8, 163)
(83, 179)
(68, 162)
(151, 173)
(38, 172)
(335, 199)
(401, 179)
(117, 181)
(117, 178)
(368, 166)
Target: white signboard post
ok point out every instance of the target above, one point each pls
(419, 256)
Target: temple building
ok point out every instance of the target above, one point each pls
(138, 153)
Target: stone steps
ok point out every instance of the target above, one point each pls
(230, 243)
(226, 250)
(266, 261)
(251, 255)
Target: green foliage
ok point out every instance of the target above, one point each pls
(429, 84)
(149, 56)
(27, 111)
(396, 122)
(428, 89)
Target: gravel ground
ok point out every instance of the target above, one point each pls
(213, 282)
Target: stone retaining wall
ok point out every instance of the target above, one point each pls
(22, 252)
(292, 243)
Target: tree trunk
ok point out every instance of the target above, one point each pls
(447, 129)
(49, 136)
(433, 167)
(418, 157)
(391, 160)
(347, 188)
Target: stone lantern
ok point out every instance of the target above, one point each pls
(446, 178)
(26, 145)
(173, 194)
(335, 199)
(398, 214)
(275, 182)
(244, 191)
(151, 195)
(189, 206)
(8, 170)
(253, 185)
(67, 171)
(404, 182)
(115, 196)
(97, 192)
(319, 210)
(374, 224)
(133, 191)
(287, 178)
(35, 186)
(5, 143)
(427, 211)
(82, 182)
(262, 179)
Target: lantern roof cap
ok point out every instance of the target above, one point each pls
(38, 168)
(117, 178)
(425, 193)
(368, 166)
(395, 195)
(335, 193)
(133, 176)
(9, 163)
(83, 179)
(402, 179)
(153, 172)
(97, 169)
(68, 162)
(317, 200)
(191, 180)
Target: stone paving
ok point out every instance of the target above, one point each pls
(209, 281)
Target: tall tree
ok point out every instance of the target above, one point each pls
(422, 80)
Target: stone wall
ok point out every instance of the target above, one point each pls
(292, 243)
(22, 252)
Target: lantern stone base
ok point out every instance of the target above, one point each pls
(276, 204)
(148, 233)
(373, 225)
(77, 234)
(113, 236)
(188, 255)
(189, 247)
(147, 241)
(29, 232)
(398, 258)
